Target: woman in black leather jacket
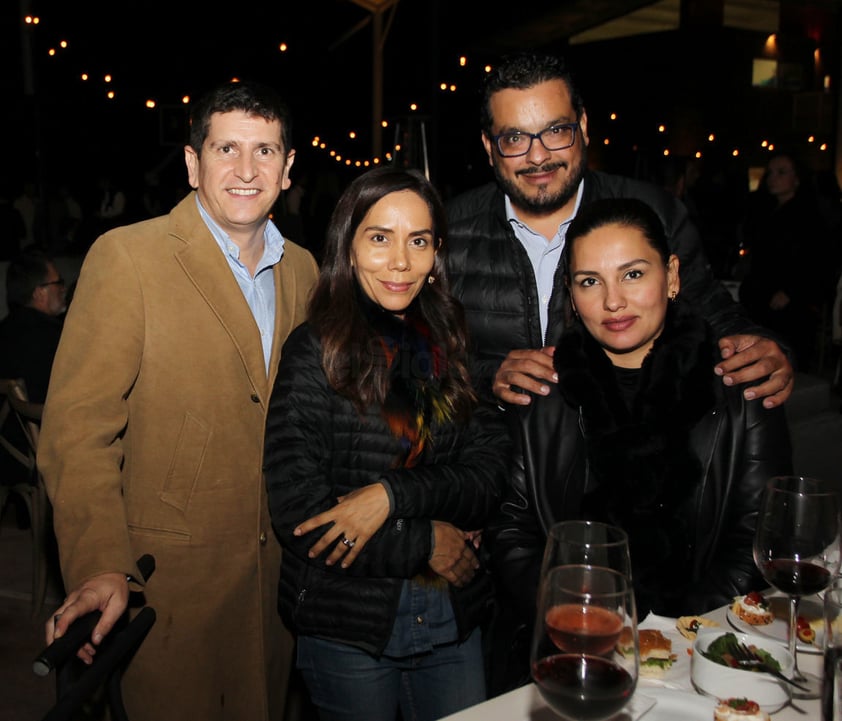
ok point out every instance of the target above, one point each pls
(382, 470)
(639, 432)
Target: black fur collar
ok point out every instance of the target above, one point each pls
(675, 378)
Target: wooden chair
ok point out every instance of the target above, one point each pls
(18, 414)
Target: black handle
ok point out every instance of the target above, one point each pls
(146, 565)
(107, 661)
(61, 649)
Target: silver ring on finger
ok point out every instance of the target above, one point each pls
(348, 542)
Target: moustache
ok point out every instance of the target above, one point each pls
(548, 168)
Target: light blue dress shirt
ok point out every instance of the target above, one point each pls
(258, 290)
(544, 256)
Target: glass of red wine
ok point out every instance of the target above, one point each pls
(587, 542)
(575, 662)
(796, 548)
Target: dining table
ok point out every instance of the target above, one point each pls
(675, 694)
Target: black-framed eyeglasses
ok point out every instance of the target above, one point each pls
(59, 281)
(556, 137)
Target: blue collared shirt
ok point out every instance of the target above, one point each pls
(543, 256)
(259, 290)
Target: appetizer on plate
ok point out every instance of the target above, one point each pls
(689, 626)
(753, 608)
(739, 709)
(805, 630)
(656, 656)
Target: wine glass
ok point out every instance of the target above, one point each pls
(587, 542)
(796, 548)
(832, 646)
(582, 613)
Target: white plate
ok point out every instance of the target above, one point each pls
(674, 705)
(778, 630)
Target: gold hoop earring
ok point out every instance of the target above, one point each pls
(431, 279)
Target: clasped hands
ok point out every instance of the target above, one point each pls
(746, 358)
(358, 515)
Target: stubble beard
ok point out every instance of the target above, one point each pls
(544, 203)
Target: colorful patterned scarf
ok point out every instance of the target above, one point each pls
(414, 403)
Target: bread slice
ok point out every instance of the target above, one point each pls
(656, 656)
(688, 626)
(739, 709)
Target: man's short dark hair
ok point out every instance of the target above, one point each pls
(521, 71)
(250, 97)
(25, 273)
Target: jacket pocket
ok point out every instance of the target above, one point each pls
(186, 463)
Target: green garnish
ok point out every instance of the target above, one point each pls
(723, 650)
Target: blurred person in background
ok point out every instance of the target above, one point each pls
(29, 334)
(790, 258)
(29, 337)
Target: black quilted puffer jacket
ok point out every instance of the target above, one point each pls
(491, 275)
(318, 447)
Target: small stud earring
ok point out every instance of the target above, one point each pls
(673, 296)
(431, 279)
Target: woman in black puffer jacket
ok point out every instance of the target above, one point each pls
(382, 469)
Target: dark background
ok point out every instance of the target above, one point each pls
(694, 80)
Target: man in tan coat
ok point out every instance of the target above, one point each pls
(152, 438)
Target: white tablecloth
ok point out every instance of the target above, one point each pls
(525, 704)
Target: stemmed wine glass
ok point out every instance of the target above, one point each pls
(587, 542)
(582, 613)
(796, 548)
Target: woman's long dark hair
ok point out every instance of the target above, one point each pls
(352, 355)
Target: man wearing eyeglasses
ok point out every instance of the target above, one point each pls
(506, 239)
(29, 334)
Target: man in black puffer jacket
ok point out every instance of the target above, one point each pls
(506, 239)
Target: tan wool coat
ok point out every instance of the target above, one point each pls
(152, 442)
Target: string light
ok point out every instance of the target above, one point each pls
(321, 144)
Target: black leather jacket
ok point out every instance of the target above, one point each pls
(579, 454)
(491, 275)
(683, 472)
(319, 447)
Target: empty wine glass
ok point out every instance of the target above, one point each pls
(587, 542)
(796, 548)
(582, 613)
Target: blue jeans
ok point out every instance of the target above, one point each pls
(348, 684)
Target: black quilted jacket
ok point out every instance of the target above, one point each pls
(318, 447)
(491, 275)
